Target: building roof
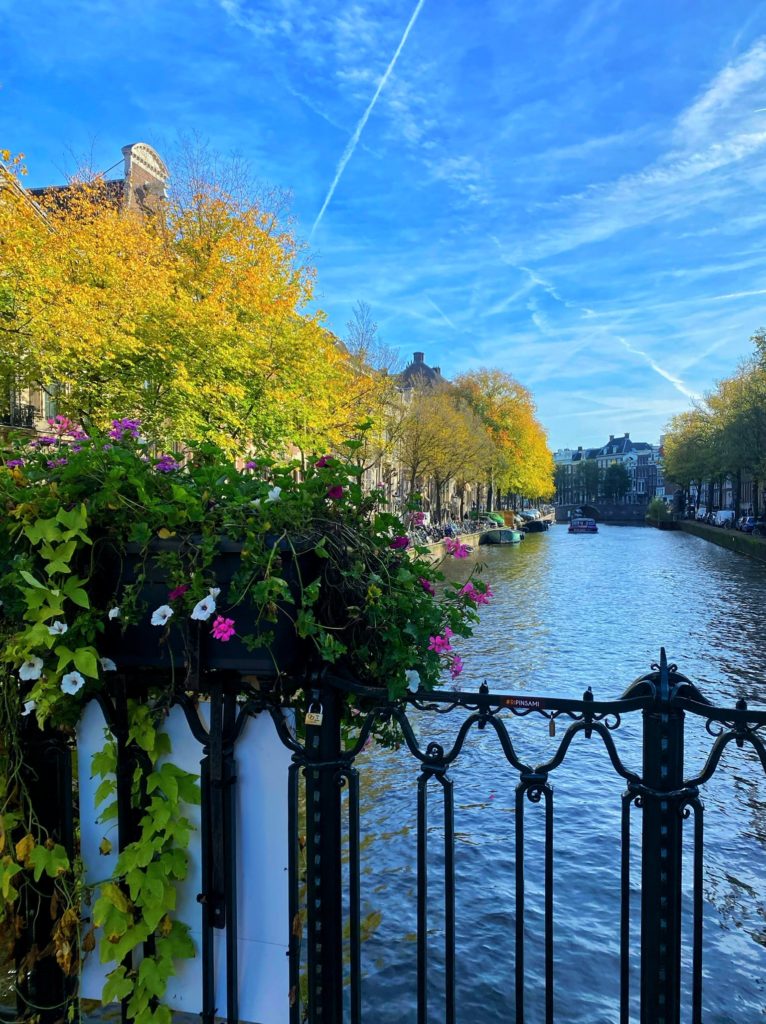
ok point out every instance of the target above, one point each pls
(141, 186)
(419, 374)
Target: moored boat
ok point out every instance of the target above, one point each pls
(583, 525)
(536, 526)
(503, 535)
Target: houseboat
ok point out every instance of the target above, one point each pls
(583, 525)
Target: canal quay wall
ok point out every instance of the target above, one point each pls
(734, 540)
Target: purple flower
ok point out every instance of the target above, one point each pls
(15, 463)
(322, 463)
(427, 585)
(399, 543)
(178, 592)
(251, 464)
(167, 464)
(48, 440)
(121, 428)
(55, 463)
(456, 667)
(335, 493)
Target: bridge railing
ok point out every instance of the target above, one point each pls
(319, 778)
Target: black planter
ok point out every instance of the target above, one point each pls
(186, 644)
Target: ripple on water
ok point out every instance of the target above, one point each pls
(571, 612)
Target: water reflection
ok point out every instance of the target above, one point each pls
(572, 612)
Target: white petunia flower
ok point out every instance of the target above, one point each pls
(107, 665)
(29, 707)
(203, 609)
(58, 628)
(273, 494)
(72, 683)
(114, 613)
(31, 669)
(161, 615)
(413, 680)
(214, 592)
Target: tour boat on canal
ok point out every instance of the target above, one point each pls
(583, 525)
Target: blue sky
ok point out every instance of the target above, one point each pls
(571, 190)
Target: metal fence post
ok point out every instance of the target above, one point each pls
(662, 837)
(323, 857)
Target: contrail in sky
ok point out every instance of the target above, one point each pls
(441, 313)
(348, 152)
(675, 381)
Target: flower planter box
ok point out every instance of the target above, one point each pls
(186, 643)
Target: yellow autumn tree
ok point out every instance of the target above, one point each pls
(521, 462)
(194, 320)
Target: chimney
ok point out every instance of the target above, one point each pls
(145, 175)
(437, 369)
(627, 437)
(418, 357)
(579, 448)
(611, 438)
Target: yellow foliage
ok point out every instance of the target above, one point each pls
(194, 320)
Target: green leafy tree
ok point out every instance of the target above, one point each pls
(588, 476)
(616, 482)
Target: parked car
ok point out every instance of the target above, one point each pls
(701, 515)
(724, 517)
(746, 524)
(759, 528)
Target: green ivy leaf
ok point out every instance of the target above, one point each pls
(86, 662)
(31, 580)
(117, 986)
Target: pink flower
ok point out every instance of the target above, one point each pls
(477, 596)
(223, 629)
(335, 492)
(453, 547)
(427, 585)
(398, 543)
(440, 644)
(178, 592)
(322, 463)
(456, 667)
(61, 424)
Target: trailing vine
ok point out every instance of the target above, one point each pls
(134, 909)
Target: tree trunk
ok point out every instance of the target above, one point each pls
(738, 495)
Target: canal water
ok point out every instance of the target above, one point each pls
(571, 612)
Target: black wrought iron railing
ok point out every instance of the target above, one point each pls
(323, 930)
(22, 416)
